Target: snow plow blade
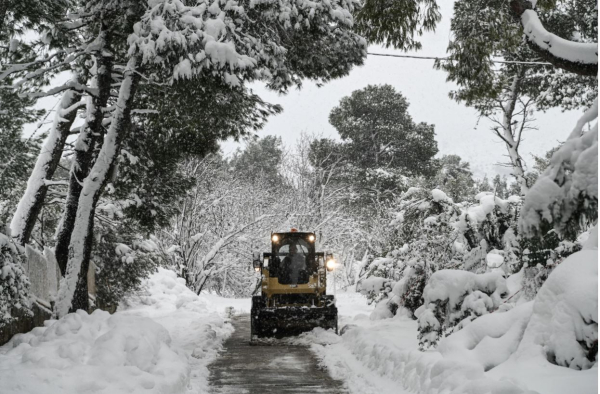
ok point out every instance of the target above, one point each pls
(283, 322)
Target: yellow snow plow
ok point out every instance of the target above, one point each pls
(293, 295)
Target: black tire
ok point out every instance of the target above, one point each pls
(258, 303)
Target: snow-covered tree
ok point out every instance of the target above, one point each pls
(121, 41)
(454, 177)
(220, 222)
(397, 23)
(509, 93)
(319, 197)
(17, 154)
(565, 196)
(260, 160)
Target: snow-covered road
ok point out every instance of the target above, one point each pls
(165, 339)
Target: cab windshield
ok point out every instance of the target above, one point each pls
(292, 262)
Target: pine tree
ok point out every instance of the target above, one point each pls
(380, 133)
(261, 159)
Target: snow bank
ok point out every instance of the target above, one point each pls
(160, 341)
(517, 351)
(196, 323)
(83, 353)
(489, 340)
(381, 357)
(562, 328)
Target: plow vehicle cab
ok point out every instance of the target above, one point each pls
(293, 295)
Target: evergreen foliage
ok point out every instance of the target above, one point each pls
(379, 133)
(454, 177)
(15, 297)
(397, 23)
(260, 159)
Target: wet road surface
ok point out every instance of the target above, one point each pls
(278, 368)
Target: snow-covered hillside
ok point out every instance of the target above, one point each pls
(158, 342)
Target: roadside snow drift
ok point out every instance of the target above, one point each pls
(159, 342)
(84, 353)
(544, 346)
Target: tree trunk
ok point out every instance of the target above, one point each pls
(511, 138)
(73, 289)
(33, 199)
(88, 142)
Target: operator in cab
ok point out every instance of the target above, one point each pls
(294, 264)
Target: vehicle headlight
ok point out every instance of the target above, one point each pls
(275, 238)
(257, 269)
(311, 238)
(330, 264)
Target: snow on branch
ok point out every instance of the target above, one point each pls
(453, 299)
(70, 85)
(577, 57)
(566, 193)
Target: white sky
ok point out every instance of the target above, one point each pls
(457, 128)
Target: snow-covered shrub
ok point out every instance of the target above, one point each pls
(565, 196)
(559, 327)
(391, 295)
(431, 233)
(541, 255)
(421, 243)
(425, 231)
(454, 298)
(564, 322)
(14, 283)
(375, 288)
(430, 328)
(408, 291)
(490, 225)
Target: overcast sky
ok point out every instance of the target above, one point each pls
(457, 128)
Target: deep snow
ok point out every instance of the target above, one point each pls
(160, 341)
(505, 352)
